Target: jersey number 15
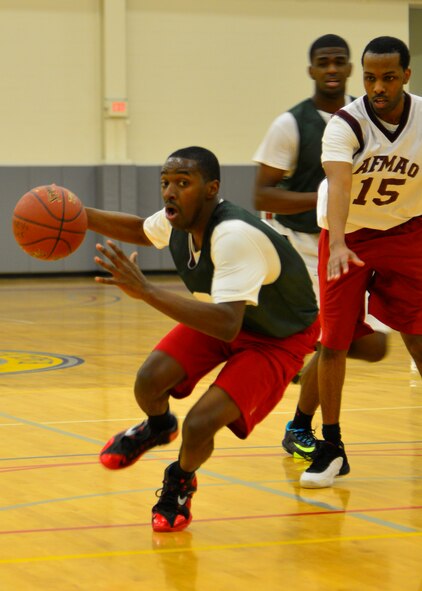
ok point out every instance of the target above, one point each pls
(384, 189)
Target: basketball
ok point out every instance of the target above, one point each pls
(49, 222)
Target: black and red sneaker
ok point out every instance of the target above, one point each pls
(172, 512)
(126, 447)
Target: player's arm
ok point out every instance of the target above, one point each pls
(118, 225)
(269, 197)
(222, 321)
(276, 157)
(339, 177)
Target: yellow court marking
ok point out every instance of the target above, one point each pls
(207, 548)
(12, 362)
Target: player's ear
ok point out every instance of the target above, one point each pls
(406, 76)
(214, 187)
(311, 72)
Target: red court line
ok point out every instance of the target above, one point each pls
(64, 465)
(214, 519)
(40, 466)
(392, 452)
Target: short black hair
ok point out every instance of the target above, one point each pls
(329, 40)
(208, 164)
(385, 44)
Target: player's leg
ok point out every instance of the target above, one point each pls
(157, 376)
(154, 381)
(177, 363)
(213, 411)
(396, 290)
(342, 314)
(415, 367)
(330, 459)
(249, 385)
(299, 438)
(372, 347)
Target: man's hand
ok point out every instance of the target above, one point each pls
(124, 271)
(338, 263)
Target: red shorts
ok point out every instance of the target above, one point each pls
(392, 275)
(257, 369)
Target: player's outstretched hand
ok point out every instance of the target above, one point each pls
(124, 270)
(338, 263)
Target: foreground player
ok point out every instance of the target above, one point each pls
(371, 209)
(255, 312)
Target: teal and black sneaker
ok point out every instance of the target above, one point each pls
(300, 443)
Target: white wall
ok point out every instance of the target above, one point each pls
(50, 81)
(218, 77)
(211, 72)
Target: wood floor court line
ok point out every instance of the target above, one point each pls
(52, 429)
(232, 482)
(205, 520)
(219, 547)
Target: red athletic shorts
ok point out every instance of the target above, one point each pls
(257, 369)
(392, 275)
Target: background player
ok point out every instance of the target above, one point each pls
(371, 210)
(287, 180)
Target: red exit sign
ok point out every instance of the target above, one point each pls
(119, 106)
(116, 107)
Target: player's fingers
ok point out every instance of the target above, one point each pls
(336, 267)
(103, 250)
(104, 264)
(133, 257)
(114, 257)
(106, 280)
(357, 261)
(117, 250)
(344, 266)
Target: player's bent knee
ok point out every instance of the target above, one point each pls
(140, 387)
(146, 386)
(198, 428)
(156, 376)
(371, 348)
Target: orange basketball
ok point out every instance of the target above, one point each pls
(49, 222)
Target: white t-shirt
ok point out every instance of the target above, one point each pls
(280, 145)
(244, 258)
